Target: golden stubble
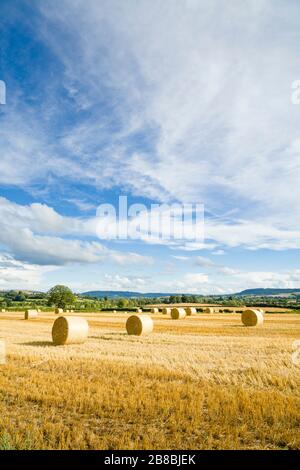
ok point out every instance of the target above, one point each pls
(202, 382)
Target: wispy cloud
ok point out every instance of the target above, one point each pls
(159, 100)
(82, 205)
(183, 80)
(204, 262)
(180, 258)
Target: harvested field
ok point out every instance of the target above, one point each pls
(202, 382)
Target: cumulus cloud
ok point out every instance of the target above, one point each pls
(119, 282)
(29, 233)
(187, 283)
(234, 281)
(238, 280)
(248, 234)
(15, 274)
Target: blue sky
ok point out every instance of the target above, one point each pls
(161, 101)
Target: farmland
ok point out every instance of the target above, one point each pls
(204, 382)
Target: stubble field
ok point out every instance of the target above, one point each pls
(205, 382)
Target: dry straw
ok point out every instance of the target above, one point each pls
(139, 325)
(70, 330)
(155, 310)
(59, 311)
(166, 311)
(191, 310)
(29, 314)
(2, 354)
(252, 317)
(178, 313)
(209, 310)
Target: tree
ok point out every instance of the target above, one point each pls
(123, 303)
(60, 296)
(20, 297)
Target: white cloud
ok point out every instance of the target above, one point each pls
(239, 280)
(227, 271)
(253, 234)
(119, 282)
(248, 234)
(82, 205)
(28, 232)
(39, 217)
(218, 111)
(234, 281)
(18, 275)
(213, 115)
(45, 250)
(187, 283)
(204, 262)
(214, 267)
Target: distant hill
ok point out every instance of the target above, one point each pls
(126, 294)
(132, 294)
(28, 292)
(262, 292)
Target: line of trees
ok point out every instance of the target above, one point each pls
(63, 297)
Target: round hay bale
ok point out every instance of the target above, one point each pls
(252, 317)
(178, 313)
(166, 311)
(29, 314)
(209, 310)
(114, 311)
(59, 311)
(139, 310)
(3, 310)
(139, 325)
(70, 330)
(155, 310)
(191, 310)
